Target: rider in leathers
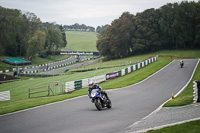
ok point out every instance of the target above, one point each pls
(94, 86)
(181, 63)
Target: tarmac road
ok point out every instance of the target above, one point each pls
(40, 69)
(63, 69)
(79, 115)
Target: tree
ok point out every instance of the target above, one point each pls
(17, 29)
(8, 27)
(54, 39)
(118, 37)
(36, 43)
(102, 45)
(146, 36)
(63, 36)
(100, 28)
(197, 26)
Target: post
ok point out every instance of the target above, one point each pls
(172, 95)
(29, 93)
(48, 91)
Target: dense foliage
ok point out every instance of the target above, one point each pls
(78, 27)
(172, 26)
(23, 34)
(100, 28)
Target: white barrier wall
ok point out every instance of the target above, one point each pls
(142, 64)
(98, 79)
(85, 83)
(123, 72)
(129, 69)
(5, 95)
(138, 65)
(69, 86)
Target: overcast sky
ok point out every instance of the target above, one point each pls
(89, 12)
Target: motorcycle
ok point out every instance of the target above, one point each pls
(181, 64)
(99, 99)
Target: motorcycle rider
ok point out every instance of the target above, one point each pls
(181, 63)
(95, 86)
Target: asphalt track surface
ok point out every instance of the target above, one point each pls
(73, 66)
(79, 115)
(72, 59)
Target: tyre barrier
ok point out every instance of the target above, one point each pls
(196, 92)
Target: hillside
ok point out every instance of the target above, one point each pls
(81, 41)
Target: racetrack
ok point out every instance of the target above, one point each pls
(79, 115)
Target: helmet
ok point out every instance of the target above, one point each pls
(91, 84)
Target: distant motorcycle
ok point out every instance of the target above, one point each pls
(99, 99)
(181, 63)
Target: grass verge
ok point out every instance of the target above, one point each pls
(189, 127)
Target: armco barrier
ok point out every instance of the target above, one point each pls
(74, 85)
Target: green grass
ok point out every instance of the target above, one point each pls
(189, 127)
(180, 54)
(4, 66)
(81, 41)
(35, 61)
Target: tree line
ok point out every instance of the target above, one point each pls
(78, 27)
(172, 26)
(100, 28)
(23, 34)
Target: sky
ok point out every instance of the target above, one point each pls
(89, 12)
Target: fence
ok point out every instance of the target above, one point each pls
(75, 85)
(39, 91)
(57, 87)
(54, 88)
